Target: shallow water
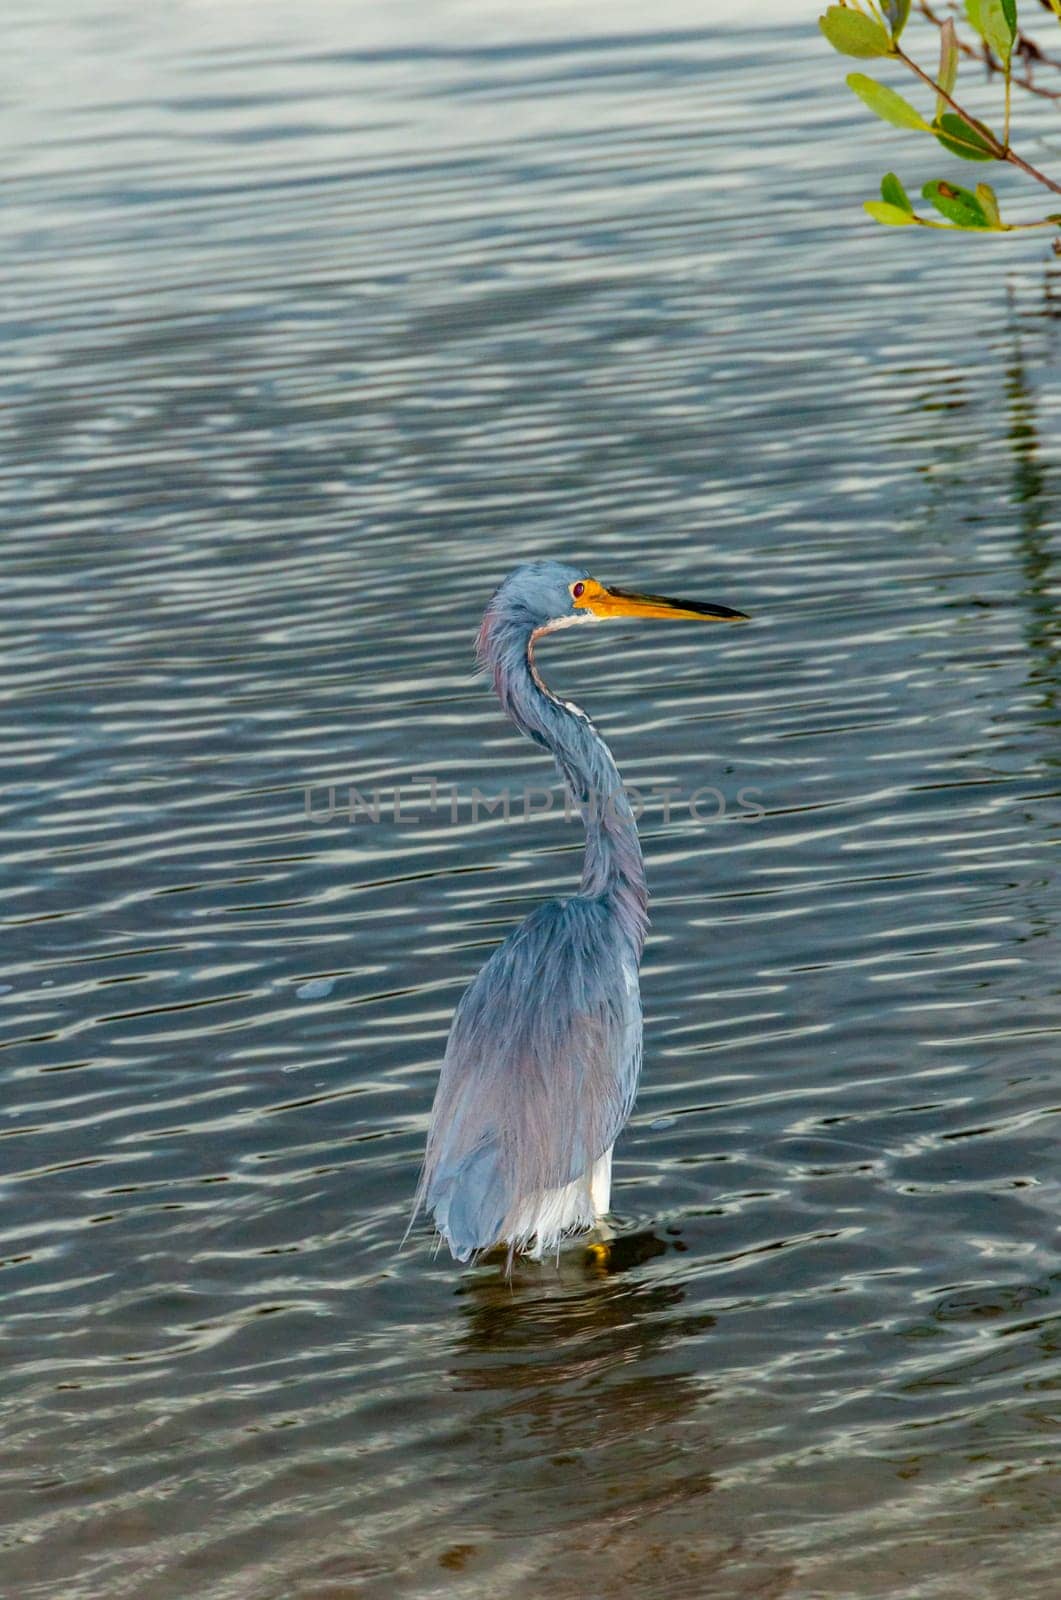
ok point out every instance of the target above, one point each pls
(317, 320)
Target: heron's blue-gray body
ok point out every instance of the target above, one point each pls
(543, 1058)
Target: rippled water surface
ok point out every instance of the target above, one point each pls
(317, 319)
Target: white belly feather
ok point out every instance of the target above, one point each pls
(554, 1212)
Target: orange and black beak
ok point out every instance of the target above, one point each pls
(607, 603)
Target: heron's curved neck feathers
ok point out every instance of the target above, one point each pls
(613, 865)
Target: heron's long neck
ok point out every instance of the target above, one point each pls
(613, 865)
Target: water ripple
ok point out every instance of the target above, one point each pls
(315, 325)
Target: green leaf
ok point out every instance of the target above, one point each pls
(972, 143)
(996, 23)
(948, 64)
(989, 204)
(885, 102)
(1000, 35)
(853, 33)
(896, 13)
(956, 204)
(893, 193)
(893, 216)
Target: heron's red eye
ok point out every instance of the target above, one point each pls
(579, 590)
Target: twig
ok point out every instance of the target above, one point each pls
(1024, 47)
(1007, 227)
(1033, 172)
(1001, 152)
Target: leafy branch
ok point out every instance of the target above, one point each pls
(1026, 48)
(872, 28)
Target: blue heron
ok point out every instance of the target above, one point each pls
(544, 1052)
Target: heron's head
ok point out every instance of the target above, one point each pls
(544, 595)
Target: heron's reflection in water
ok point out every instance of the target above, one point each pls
(596, 1449)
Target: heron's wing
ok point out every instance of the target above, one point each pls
(540, 1071)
